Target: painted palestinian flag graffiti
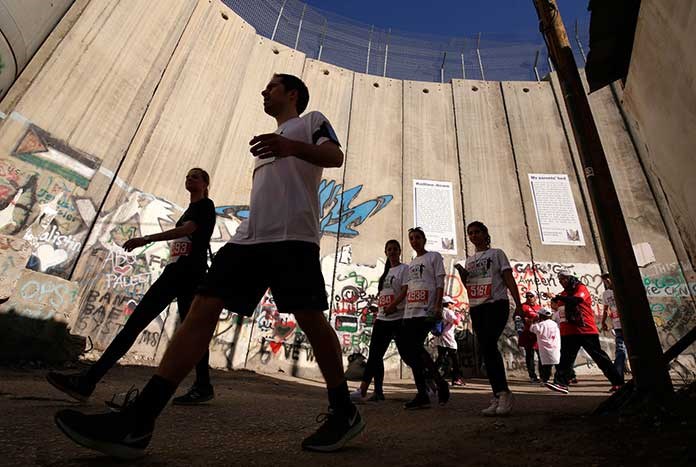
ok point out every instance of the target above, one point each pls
(39, 148)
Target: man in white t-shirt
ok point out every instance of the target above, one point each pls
(611, 311)
(277, 246)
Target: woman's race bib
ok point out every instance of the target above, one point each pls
(479, 290)
(418, 297)
(179, 247)
(385, 299)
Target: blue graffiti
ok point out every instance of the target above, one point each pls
(338, 216)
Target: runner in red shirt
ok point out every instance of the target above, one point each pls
(527, 339)
(578, 329)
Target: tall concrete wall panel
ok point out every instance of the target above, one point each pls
(430, 152)
(23, 27)
(662, 112)
(373, 210)
(69, 132)
(489, 178)
(674, 312)
(185, 126)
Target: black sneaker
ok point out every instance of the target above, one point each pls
(337, 429)
(421, 401)
(121, 400)
(74, 385)
(116, 434)
(443, 392)
(196, 395)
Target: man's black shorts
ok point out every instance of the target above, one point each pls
(240, 274)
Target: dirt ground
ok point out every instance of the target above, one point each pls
(260, 420)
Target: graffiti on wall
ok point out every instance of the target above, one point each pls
(338, 214)
(41, 200)
(42, 297)
(14, 253)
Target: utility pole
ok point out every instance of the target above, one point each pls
(650, 371)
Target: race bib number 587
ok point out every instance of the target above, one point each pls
(479, 290)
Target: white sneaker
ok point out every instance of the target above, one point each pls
(357, 397)
(505, 402)
(490, 411)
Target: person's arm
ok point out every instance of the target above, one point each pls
(439, 292)
(398, 299)
(514, 291)
(187, 228)
(328, 154)
(604, 318)
(463, 273)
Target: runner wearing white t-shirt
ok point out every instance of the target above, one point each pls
(612, 311)
(487, 276)
(391, 303)
(277, 246)
(426, 282)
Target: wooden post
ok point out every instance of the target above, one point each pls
(650, 371)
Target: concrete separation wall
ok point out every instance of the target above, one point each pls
(145, 93)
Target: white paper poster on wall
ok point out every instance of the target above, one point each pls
(433, 211)
(556, 213)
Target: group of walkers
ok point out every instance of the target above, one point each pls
(277, 247)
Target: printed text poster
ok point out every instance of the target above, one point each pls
(433, 206)
(555, 209)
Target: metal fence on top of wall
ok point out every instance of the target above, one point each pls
(397, 54)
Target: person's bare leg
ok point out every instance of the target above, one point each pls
(324, 341)
(191, 340)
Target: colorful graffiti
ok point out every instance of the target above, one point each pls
(337, 214)
(40, 199)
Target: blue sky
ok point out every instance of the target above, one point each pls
(453, 17)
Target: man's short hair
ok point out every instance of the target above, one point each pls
(293, 83)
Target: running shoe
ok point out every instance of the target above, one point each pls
(615, 388)
(336, 430)
(573, 381)
(120, 400)
(75, 385)
(196, 395)
(117, 434)
(458, 382)
(357, 397)
(505, 402)
(419, 402)
(376, 397)
(534, 380)
(491, 410)
(557, 387)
